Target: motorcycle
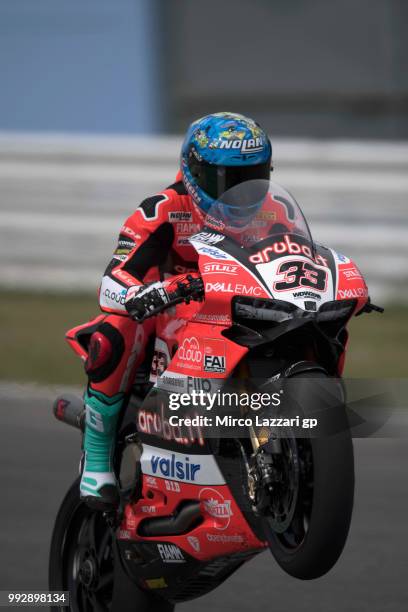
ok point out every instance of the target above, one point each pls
(269, 309)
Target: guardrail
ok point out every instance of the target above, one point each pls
(64, 198)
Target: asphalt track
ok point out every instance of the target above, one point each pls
(39, 459)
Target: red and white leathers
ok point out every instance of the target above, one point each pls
(152, 245)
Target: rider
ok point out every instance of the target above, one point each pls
(220, 151)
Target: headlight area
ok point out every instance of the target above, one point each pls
(259, 321)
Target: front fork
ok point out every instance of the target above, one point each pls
(266, 447)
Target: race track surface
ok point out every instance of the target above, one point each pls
(39, 459)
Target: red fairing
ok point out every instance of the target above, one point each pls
(350, 283)
(223, 529)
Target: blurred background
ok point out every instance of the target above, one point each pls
(94, 98)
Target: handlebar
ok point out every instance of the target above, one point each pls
(370, 307)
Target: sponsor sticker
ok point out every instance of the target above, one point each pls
(183, 469)
(183, 241)
(214, 356)
(351, 273)
(190, 353)
(172, 485)
(194, 543)
(161, 359)
(187, 228)
(340, 257)
(148, 509)
(306, 294)
(286, 246)
(195, 469)
(115, 296)
(216, 506)
(237, 288)
(180, 215)
(220, 268)
(209, 238)
(170, 553)
(223, 538)
(125, 229)
(360, 292)
(244, 145)
(211, 252)
(151, 481)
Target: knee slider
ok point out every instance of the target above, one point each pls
(105, 350)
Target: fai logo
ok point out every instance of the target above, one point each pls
(216, 506)
(170, 553)
(214, 356)
(194, 543)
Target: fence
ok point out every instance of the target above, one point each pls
(64, 198)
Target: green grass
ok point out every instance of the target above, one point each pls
(32, 328)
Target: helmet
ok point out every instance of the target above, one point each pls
(221, 151)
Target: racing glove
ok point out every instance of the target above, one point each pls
(145, 301)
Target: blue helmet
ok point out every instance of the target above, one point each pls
(221, 151)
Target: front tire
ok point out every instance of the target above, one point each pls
(311, 544)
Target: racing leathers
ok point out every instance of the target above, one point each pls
(152, 245)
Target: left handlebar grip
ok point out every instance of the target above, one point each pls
(70, 409)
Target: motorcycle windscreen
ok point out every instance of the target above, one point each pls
(265, 220)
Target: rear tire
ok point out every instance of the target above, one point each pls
(84, 560)
(314, 540)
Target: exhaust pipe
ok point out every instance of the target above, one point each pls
(70, 409)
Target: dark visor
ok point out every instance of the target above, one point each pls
(216, 180)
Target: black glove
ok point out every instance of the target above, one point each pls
(146, 301)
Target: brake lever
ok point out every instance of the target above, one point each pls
(370, 307)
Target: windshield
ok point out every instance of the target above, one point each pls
(255, 210)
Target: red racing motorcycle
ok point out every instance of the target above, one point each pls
(268, 311)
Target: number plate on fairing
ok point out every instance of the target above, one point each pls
(296, 278)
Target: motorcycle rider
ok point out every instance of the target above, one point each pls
(220, 151)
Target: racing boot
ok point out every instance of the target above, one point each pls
(98, 487)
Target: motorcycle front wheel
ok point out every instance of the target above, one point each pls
(308, 526)
(85, 561)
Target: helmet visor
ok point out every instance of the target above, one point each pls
(216, 180)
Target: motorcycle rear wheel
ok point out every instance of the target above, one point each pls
(313, 541)
(85, 561)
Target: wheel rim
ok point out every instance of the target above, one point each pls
(291, 520)
(88, 561)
